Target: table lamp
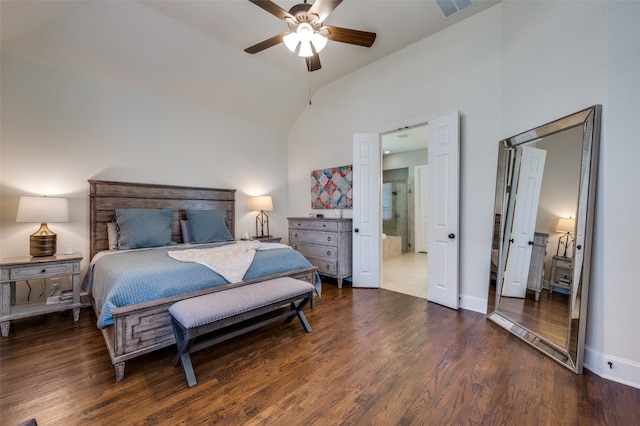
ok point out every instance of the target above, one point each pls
(42, 210)
(262, 203)
(567, 226)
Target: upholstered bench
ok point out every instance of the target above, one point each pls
(229, 313)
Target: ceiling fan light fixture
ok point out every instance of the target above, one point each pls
(305, 32)
(305, 49)
(291, 40)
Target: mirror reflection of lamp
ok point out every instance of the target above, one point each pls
(42, 210)
(264, 204)
(567, 227)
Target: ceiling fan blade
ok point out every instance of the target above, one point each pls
(322, 8)
(346, 35)
(265, 44)
(313, 62)
(272, 8)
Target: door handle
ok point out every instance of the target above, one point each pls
(356, 230)
(530, 243)
(452, 236)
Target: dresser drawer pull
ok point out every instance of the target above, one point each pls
(43, 271)
(295, 235)
(328, 267)
(328, 252)
(328, 238)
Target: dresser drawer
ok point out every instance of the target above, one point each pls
(313, 237)
(317, 225)
(324, 266)
(310, 250)
(19, 274)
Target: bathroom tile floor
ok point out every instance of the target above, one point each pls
(406, 274)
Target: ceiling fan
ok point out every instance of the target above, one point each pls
(307, 34)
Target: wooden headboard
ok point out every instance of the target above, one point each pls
(105, 197)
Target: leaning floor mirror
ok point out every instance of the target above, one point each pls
(541, 254)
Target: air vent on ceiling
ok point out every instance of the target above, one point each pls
(451, 7)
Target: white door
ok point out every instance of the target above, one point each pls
(422, 218)
(442, 205)
(524, 222)
(366, 210)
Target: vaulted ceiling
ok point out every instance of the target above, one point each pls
(193, 51)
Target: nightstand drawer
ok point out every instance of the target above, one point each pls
(313, 237)
(22, 273)
(308, 250)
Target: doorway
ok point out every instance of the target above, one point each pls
(404, 266)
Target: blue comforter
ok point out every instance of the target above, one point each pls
(122, 278)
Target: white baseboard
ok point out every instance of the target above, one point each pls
(475, 304)
(621, 370)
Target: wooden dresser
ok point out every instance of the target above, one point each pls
(536, 267)
(326, 243)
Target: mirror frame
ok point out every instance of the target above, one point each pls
(572, 357)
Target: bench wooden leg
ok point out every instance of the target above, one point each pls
(188, 369)
(300, 314)
(184, 339)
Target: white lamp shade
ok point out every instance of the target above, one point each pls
(566, 225)
(291, 41)
(43, 210)
(305, 49)
(262, 202)
(319, 41)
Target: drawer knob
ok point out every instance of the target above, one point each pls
(295, 235)
(328, 253)
(328, 238)
(327, 267)
(43, 271)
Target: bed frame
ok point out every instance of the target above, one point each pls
(145, 327)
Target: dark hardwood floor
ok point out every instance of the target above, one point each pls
(374, 357)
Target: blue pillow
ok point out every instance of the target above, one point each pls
(140, 228)
(208, 226)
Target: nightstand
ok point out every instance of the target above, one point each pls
(561, 268)
(25, 268)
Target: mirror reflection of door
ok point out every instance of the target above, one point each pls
(404, 186)
(527, 194)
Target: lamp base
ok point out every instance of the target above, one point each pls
(43, 242)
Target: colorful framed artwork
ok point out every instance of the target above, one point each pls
(331, 188)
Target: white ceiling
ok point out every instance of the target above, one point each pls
(405, 140)
(192, 51)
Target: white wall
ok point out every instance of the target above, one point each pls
(407, 159)
(509, 69)
(60, 129)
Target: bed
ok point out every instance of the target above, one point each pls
(144, 326)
